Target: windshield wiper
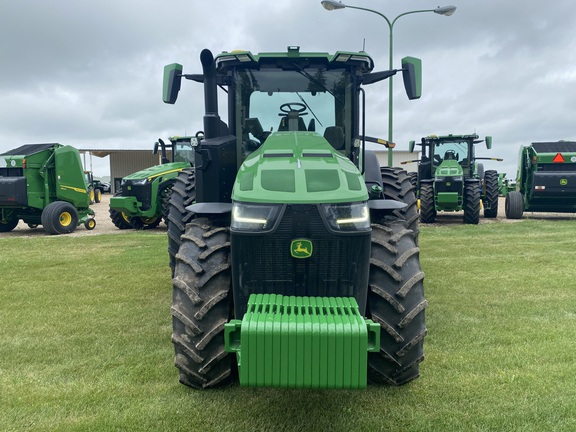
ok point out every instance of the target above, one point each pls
(302, 72)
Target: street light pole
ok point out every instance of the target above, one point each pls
(444, 10)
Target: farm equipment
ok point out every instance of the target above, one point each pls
(294, 269)
(94, 192)
(44, 184)
(449, 178)
(143, 200)
(545, 180)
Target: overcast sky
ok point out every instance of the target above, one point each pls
(89, 73)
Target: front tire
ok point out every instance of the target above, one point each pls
(396, 301)
(397, 185)
(59, 217)
(183, 194)
(472, 203)
(427, 206)
(9, 225)
(201, 305)
(491, 191)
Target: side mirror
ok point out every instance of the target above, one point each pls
(172, 82)
(488, 140)
(412, 75)
(411, 146)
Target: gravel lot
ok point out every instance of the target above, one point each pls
(105, 226)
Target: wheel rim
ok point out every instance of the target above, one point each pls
(91, 224)
(65, 219)
(148, 221)
(126, 218)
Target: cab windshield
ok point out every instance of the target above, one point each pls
(308, 99)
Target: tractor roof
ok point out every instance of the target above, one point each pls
(29, 149)
(450, 138)
(555, 147)
(292, 55)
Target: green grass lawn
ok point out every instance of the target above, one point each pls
(85, 341)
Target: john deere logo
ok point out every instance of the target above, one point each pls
(301, 248)
(563, 182)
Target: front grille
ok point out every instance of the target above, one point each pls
(262, 263)
(449, 185)
(143, 193)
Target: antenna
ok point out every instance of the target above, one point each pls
(364, 45)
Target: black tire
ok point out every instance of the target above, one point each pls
(165, 197)
(414, 179)
(90, 224)
(514, 205)
(396, 185)
(97, 195)
(9, 225)
(472, 203)
(183, 194)
(491, 194)
(59, 217)
(141, 223)
(396, 302)
(201, 305)
(427, 206)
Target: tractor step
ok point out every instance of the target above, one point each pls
(302, 342)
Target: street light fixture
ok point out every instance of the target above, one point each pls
(444, 10)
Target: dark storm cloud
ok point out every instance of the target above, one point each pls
(89, 73)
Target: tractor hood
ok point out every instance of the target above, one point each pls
(157, 171)
(449, 168)
(298, 167)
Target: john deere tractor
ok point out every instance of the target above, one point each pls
(143, 199)
(294, 269)
(546, 179)
(449, 178)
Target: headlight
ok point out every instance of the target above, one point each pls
(254, 217)
(347, 217)
(139, 182)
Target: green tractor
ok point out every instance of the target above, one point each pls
(291, 267)
(143, 200)
(546, 179)
(44, 184)
(449, 178)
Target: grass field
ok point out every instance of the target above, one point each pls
(85, 341)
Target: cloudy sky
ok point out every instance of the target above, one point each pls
(89, 73)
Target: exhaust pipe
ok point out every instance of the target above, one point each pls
(211, 117)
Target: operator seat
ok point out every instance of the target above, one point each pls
(292, 122)
(335, 136)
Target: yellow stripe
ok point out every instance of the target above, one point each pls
(74, 189)
(165, 172)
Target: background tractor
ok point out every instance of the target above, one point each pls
(144, 196)
(545, 180)
(291, 268)
(44, 184)
(449, 178)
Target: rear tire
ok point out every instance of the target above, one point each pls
(427, 206)
(59, 217)
(491, 197)
(183, 194)
(472, 203)
(514, 205)
(397, 185)
(97, 195)
(396, 302)
(201, 305)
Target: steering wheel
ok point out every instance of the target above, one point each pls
(292, 106)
